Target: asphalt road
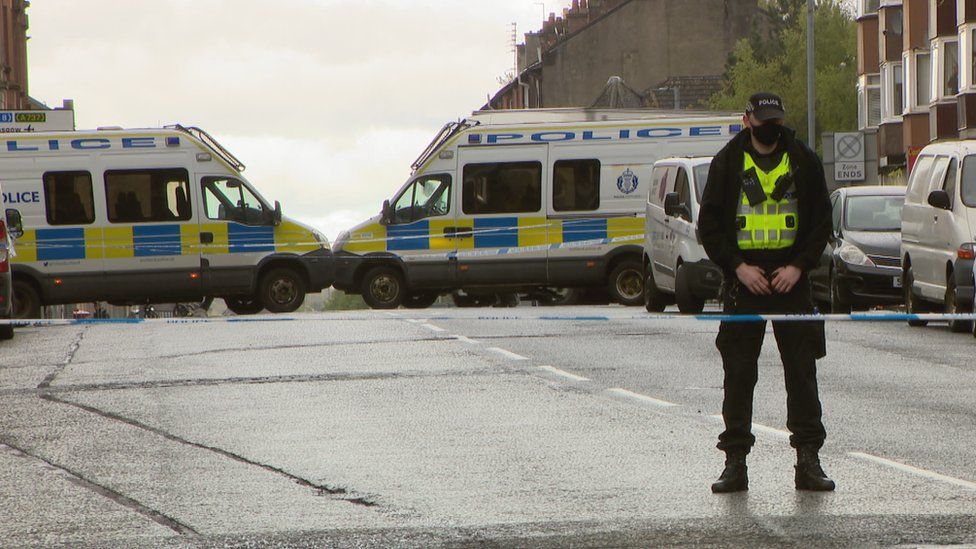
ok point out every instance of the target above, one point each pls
(590, 426)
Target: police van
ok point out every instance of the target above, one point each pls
(523, 200)
(150, 215)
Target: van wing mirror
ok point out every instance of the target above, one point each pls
(385, 215)
(15, 223)
(277, 214)
(674, 208)
(940, 199)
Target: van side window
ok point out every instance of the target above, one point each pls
(835, 210)
(148, 196)
(918, 187)
(683, 187)
(68, 198)
(428, 196)
(968, 188)
(576, 186)
(660, 177)
(228, 199)
(949, 185)
(502, 188)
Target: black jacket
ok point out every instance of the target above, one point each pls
(720, 203)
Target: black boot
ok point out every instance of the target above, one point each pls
(735, 477)
(809, 474)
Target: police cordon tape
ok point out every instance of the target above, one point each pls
(650, 317)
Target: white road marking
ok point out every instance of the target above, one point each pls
(413, 320)
(642, 398)
(433, 328)
(759, 427)
(561, 373)
(467, 340)
(931, 475)
(507, 354)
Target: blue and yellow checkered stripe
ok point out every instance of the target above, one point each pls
(491, 232)
(137, 241)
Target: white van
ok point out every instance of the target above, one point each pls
(154, 215)
(676, 266)
(937, 231)
(523, 200)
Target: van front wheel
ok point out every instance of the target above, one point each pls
(626, 283)
(383, 288)
(282, 290)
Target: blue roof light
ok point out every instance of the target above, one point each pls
(172, 141)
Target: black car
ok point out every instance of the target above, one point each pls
(861, 266)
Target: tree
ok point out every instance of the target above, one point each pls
(779, 65)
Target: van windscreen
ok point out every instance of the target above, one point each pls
(701, 178)
(968, 190)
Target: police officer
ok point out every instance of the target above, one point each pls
(765, 219)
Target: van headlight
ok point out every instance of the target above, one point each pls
(852, 255)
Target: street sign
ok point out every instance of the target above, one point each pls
(36, 121)
(849, 157)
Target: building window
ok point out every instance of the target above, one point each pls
(891, 33)
(918, 79)
(967, 57)
(945, 69)
(892, 82)
(869, 101)
(866, 7)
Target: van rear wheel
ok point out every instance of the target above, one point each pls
(282, 290)
(243, 305)
(952, 307)
(654, 300)
(688, 302)
(6, 331)
(912, 305)
(27, 302)
(626, 283)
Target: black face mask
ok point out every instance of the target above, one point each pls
(767, 134)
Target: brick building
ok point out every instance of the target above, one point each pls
(917, 74)
(13, 55)
(672, 53)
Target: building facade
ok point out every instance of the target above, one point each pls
(13, 55)
(917, 74)
(655, 46)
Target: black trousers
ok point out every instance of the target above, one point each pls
(800, 345)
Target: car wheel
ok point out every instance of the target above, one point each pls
(27, 302)
(688, 302)
(383, 288)
(282, 290)
(6, 331)
(420, 300)
(243, 305)
(626, 284)
(952, 307)
(911, 301)
(837, 305)
(655, 301)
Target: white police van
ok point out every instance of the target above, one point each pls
(520, 201)
(150, 215)
(677, 268)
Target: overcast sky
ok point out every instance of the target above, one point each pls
(326, 101)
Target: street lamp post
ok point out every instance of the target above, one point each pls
(811, 83)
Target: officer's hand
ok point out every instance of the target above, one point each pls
(785, 279)
(754, 279)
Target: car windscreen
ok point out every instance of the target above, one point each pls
(874, 213)
(701, 177)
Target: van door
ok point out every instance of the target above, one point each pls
(422, 229)
(662, 236)
(151, 251)
(236, 232)
(967, 191)
(683, 225)
(930, 267)
(501, 233)
(915, 211)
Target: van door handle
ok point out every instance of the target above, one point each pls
(206, 238)
(463, 232)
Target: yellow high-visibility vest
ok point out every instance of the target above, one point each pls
(772, 224)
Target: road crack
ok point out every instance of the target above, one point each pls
(78, 479)
(75, 345)
(337, 492)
